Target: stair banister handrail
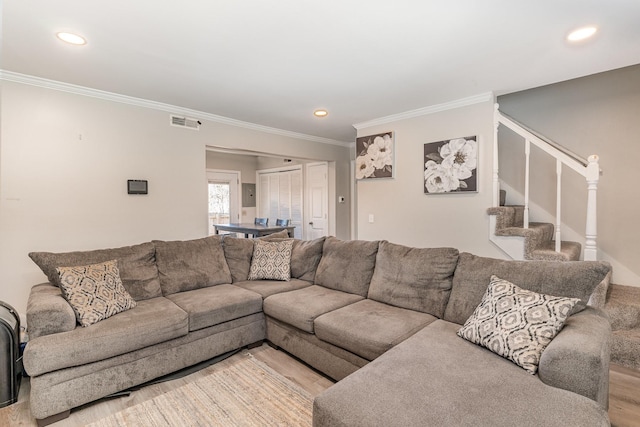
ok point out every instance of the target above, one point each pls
(588, 168)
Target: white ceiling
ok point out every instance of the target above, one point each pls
(273, 62)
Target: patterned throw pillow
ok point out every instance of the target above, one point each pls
(95, 292)
(516, 323)
(271, 260)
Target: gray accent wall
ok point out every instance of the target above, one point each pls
(597, 114)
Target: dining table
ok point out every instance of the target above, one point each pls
(254, 230)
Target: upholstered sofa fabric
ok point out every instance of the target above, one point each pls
(414, 278)
(578, 357)
(271, 287)
(347, 265)
(191, 264)
(48, 312)
(305, 258)
(150, 322)
(72, 387)
(350, 303)
(300, 308)
(238, 254)
(473, 273)
(137, 265)
(369, 328)
(435, 378)
(216, 304)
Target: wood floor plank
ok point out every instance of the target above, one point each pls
(624, 401)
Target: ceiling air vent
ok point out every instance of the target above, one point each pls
(185, 122)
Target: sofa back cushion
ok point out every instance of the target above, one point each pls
(305, 256)
(137, 265)
(576, 279)
(191, 264)
(347, 265)
(238, 253)
(415, 278)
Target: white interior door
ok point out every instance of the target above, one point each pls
(224, 197)
(317, 195)
(279, 195)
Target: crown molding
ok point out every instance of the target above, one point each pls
(476, 99)
(145, 103)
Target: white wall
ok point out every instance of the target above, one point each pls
(61, 193)
(403, 213)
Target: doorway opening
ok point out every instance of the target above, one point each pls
(224, 197)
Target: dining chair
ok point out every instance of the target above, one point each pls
(261, 221)
(283, 222)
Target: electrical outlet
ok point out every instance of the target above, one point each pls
(371, 218)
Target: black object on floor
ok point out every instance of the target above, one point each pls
(10, 358)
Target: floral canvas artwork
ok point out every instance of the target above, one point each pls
(451, 166)
(374, 156)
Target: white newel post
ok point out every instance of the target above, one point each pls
(591, 233)
(496, 177)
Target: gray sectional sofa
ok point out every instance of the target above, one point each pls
(380, 318)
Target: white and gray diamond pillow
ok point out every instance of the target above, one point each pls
(271, 260)
(516, 323)
(95, 292)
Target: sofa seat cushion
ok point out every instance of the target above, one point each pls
(217, 304)
(269, 287)
(436, 378)
(301, 307)
(369, 328)
(150, 322)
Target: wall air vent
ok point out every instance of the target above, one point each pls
(185, 122)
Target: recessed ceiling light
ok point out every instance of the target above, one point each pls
(582, 33)
(71, 38)
(320, 113)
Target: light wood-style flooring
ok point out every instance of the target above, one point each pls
(624, 406)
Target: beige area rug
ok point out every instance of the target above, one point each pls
(246, 393)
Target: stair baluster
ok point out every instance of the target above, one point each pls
(587, 168)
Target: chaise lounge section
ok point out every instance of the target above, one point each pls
(380, 318)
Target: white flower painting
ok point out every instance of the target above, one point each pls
(374, 156)
(451, 166)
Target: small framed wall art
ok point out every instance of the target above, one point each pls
(375, 156)
(451, 166)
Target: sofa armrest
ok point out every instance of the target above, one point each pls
(577, 359)
(48, 312)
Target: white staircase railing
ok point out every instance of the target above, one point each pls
(588, 168)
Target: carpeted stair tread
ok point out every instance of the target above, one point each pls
(623, 306)
(625, 348)
(569, 251)
(542, 229)
(508, 216)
